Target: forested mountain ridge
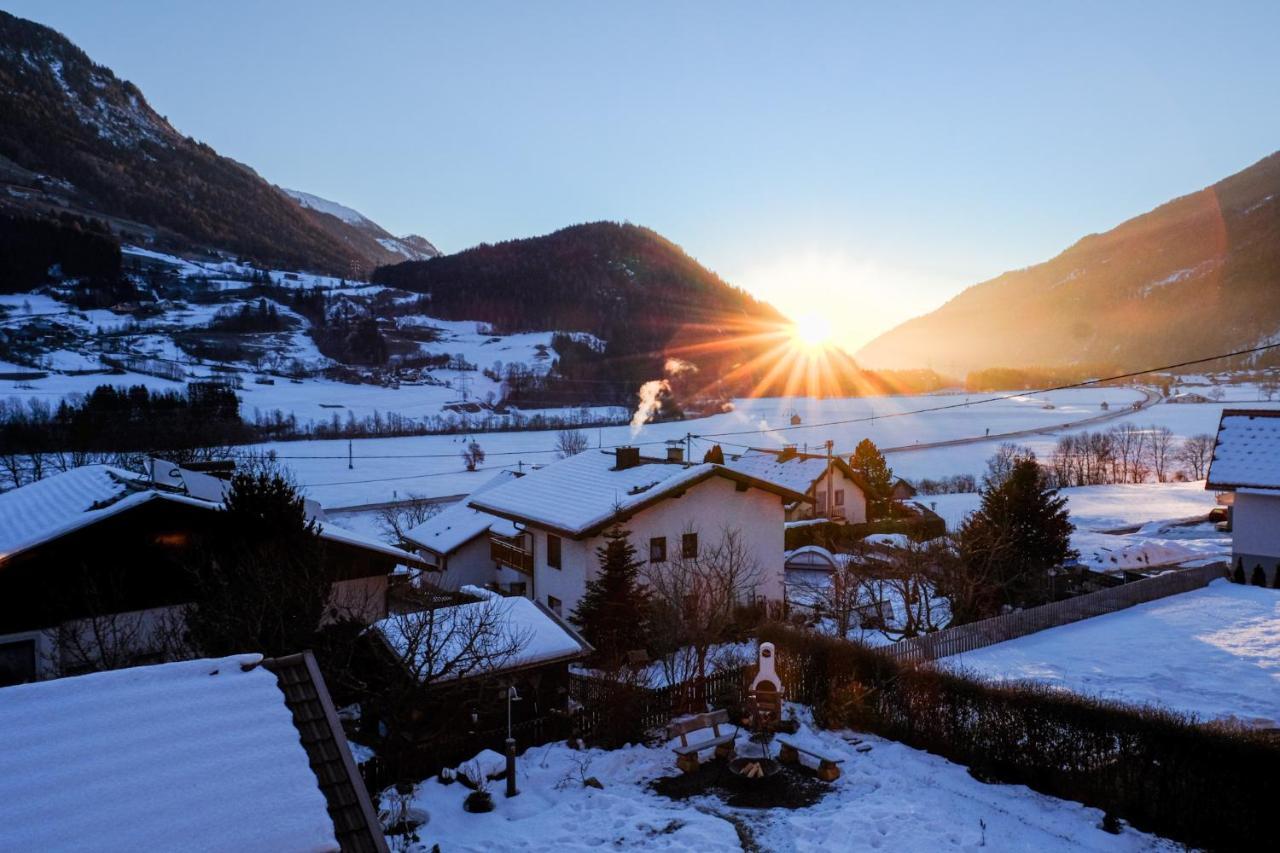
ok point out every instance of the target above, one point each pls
(1195, 276)
(76, 139)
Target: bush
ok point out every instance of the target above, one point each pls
(829, 534)
(1204, 785)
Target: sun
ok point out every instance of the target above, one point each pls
(812, 331)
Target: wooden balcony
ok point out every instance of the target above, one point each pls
(511, 553)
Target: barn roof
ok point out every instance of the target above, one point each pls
(215, 752)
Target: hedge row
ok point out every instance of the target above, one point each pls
(830, 534)
(1211, 786)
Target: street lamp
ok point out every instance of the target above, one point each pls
(512, 696)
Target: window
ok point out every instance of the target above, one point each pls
(553, 551)
(839, 497)
(822, 501)
(689, 546)
(658, 549)
(17, 662)
(555, 604)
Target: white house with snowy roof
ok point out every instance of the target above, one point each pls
(1246, 463)
(673, 509)
(454, 543)
(834, 490)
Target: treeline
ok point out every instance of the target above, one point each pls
(117, 423)
(279, 426)
(1031, 378)
(70, 246)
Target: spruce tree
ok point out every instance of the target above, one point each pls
(1259, 576)
(1238, 575)
(877, 477)
(613, 614)
(1009, 547)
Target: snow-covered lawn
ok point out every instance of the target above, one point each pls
(892, 798)
(1213, 652)
(1150, 507)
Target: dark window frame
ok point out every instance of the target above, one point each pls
(555, 551)
(689, 546)
(657, 549)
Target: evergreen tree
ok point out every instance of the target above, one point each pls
(1259, 576)
(869, 463)
(1010, 546)
(1238, 575)
(259, 580)
(613, 614)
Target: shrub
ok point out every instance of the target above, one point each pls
(1161, 771)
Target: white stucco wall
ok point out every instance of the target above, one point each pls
(472, 564)
(709, 508)
(1255, 524)
(855, 502)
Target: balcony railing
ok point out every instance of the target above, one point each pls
(509, 553)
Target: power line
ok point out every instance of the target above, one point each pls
(996, 399)
(455, 455)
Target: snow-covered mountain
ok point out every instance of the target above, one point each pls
(76, 139)
(410, 247)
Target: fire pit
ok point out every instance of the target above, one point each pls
(754, 771)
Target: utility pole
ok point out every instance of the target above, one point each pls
(350, 457)
(831, 510)
(688, 447)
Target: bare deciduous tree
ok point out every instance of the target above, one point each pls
(397, 520)
(1159, 452)
(570, 442)
(1196, 453)
(473, 456)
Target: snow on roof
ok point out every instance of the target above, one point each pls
(1248, 450)
(585, 492)
(797, 473)
(62, 503)
(156, 757)
(478, 636)
(42, 511)
(459, 523)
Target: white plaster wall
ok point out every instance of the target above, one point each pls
(709, 508)
(855, 502)
(1255, 524)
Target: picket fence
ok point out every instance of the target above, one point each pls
(977, 635)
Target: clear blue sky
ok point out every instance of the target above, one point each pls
(856, 160)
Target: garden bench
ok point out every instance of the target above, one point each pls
(828, 768)
(687, 753)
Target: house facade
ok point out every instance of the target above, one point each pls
(93, 571)
(673, 510)
(1246, 466)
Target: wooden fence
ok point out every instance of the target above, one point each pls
(655, 707)
(977, 635)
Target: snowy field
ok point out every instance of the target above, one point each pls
(1213, 652)
(1150, 512)
(892, 798)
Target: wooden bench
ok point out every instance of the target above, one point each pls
(687, 753)
(828, 768)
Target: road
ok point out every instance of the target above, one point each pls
(1150, 397)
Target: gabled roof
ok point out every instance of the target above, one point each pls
(1247, 453)
(51, 508)
(457, 524)
(478, 636)
(796, 471)
(584, 494)
(207, 751)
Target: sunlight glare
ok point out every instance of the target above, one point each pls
(812, 331)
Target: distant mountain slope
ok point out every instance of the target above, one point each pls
(75, 138)
(360, 232)
(623, 283)
(1198, 275)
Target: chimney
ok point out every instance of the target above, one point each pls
(788, 452)
(628, 457)
(675, 453)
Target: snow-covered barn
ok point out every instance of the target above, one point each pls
(235, 753)
(1246, 462)
(672, 508)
